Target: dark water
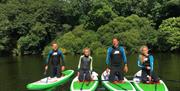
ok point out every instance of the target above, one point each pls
(17, 72)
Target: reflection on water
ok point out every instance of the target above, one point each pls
(17, 72)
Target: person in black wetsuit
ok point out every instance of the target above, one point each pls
(115, 57)
(55, 60)
(85, 66)
(146, 63)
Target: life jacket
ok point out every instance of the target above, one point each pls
(55, 58)
(115, 57)
(85, 63)
(146, 61)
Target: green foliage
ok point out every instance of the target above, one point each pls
(100, 14)
(156, 10)
(46, 50)
(4, 45)
(171, 8)
(130, 39)
(32, 24)
(28, 26)
(133, 31)
(76, 40)
(144, 8)
(169, 34)
(28, 43)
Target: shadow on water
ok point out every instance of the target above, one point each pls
(17, 72)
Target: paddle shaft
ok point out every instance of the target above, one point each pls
(45, 73)
(46, 79)
(83, 81)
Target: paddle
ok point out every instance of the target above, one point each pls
(45, 73)
(83, 81)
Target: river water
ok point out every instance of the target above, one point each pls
(17, 72)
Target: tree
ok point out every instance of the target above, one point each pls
(156, 10)
(41, 19)
(130, 39)
(169, 34)
(133, 31)
(128, 7)
(100, 14)
(171, 9)
(27, 26)
(165, 9)
(74, 41)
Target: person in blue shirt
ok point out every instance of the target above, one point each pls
(55, 60)
(114, 60)
(146, 63)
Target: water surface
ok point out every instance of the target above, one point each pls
(17, 72)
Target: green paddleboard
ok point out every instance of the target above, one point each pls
(126, 86)
(48, 82)
(148, 87)
(84, 86)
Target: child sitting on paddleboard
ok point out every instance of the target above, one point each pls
(145, 62)
(55, 60)
(85, 66)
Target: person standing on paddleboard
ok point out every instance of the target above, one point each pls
(85, 66)
(146, 62)
(115, 56)
(56, 61)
